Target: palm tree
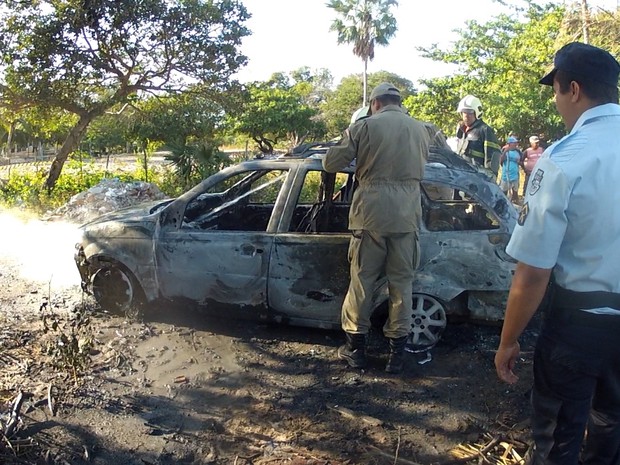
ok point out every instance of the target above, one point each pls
(585, 21)
(364, 23)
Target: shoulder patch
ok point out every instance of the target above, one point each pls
(536, 181)
(525, 210)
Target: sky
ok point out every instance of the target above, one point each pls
(289, 34)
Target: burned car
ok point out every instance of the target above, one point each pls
(268, 239)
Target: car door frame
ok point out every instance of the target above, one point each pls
(229, 270)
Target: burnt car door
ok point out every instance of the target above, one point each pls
(465, 228)
(309, 269)
(217, 250)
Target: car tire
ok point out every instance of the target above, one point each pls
(428, 323)
(115, 288)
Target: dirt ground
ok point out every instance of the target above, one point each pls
(174, 386)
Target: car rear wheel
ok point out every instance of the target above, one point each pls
(115, 289)
(428, 323)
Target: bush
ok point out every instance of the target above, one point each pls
(26, 188)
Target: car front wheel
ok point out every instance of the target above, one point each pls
(115, 289)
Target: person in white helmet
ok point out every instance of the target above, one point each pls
(390, 149)
(476, 140)
(359, 114)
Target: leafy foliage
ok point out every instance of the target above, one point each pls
(347, 98)
(27, 189)
(178, 118)
(277, 110)
(500, 62)
(107, 133)
(603, 27)
(27, 126)
(71, 340)
(87, 57)
(196, 162)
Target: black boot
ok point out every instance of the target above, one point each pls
(354, 351)
(396, 360)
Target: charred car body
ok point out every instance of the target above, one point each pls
(268, 239)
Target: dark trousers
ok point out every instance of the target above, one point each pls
(577, 388)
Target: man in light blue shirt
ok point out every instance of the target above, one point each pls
(569, 233)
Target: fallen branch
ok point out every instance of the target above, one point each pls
(348, 413)
(50, 401)
(397, 460)
(14, 419)
(475, 454)
(8, 444)
(397, 448)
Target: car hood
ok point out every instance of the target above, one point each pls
(130, 214)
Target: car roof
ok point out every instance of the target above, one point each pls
(443, 165)
(437, 154)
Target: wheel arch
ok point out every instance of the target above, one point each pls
(114, 285)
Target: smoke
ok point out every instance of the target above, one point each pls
(39, 251)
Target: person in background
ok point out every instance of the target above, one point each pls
(510, 161)
(390, 149)
(476, 140)
(559, 235)
(530, 157)
(511, 134)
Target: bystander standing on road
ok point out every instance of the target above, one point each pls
(510, 161)
(569, 230)
(530, 157)
(390, 149)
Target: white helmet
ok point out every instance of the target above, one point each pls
(360, 113)
(470, 102)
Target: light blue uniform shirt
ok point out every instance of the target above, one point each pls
(570, 219)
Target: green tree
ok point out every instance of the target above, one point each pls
(275, 111)
(314, 86)
(87, 57)
(10, 123)
(500, 62)
(33, 125)
(342, 102)
(47, 125)
(364, 23)
(178, 118)
(437, 101)
(106, 133)
(602, 26)
(188, 124)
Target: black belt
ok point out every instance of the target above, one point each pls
(583, 318)
(568, 307)
(565, 298)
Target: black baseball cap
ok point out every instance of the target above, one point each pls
(584, 60)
